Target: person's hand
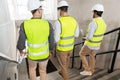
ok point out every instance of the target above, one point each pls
(51, 54)
(83, 38)
(22, 53)
(21, 56)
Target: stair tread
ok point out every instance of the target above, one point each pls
(52, 76)
(111, 76)
(96, 75)
(55, 74)
(73, 73)
(81, 77)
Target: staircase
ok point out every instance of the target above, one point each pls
(100, 74)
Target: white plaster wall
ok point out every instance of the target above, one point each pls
(7, 32)
(8, 70)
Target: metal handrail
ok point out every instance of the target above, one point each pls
(106, 52)
(113, 51)
(74, 54)
(114, 30)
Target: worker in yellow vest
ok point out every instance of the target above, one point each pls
(38, 33)
(66, 29)
(93, 39)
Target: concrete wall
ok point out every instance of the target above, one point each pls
(7, 32)
(81, 10)
(8, 70)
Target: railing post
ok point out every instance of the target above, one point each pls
(80, 65)
(115, 54)
(73, 57)
(81, 60)
(27, 67)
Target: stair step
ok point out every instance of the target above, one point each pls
(22, 71)
(97, 75)
(111, 76)
(52, 76)
(55, 62)
(73, 73)
(116, 77)
(81, 77)
(74, 76)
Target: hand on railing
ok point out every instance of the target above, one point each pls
(51, 54)
(83, 38)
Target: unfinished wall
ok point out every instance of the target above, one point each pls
(8, 70)
(81, 10)
(7, 32)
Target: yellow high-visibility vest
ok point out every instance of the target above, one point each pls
(37, 33)
(68, 27)
(99, 33)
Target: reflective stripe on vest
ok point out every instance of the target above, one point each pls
(95, 41)
(68, 27)
(65, 38)
(65, 45)
(99, 33)
(38, 47)
(39, 53)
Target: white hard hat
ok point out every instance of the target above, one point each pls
(98, 7)
(33, 4)
(62, 3)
